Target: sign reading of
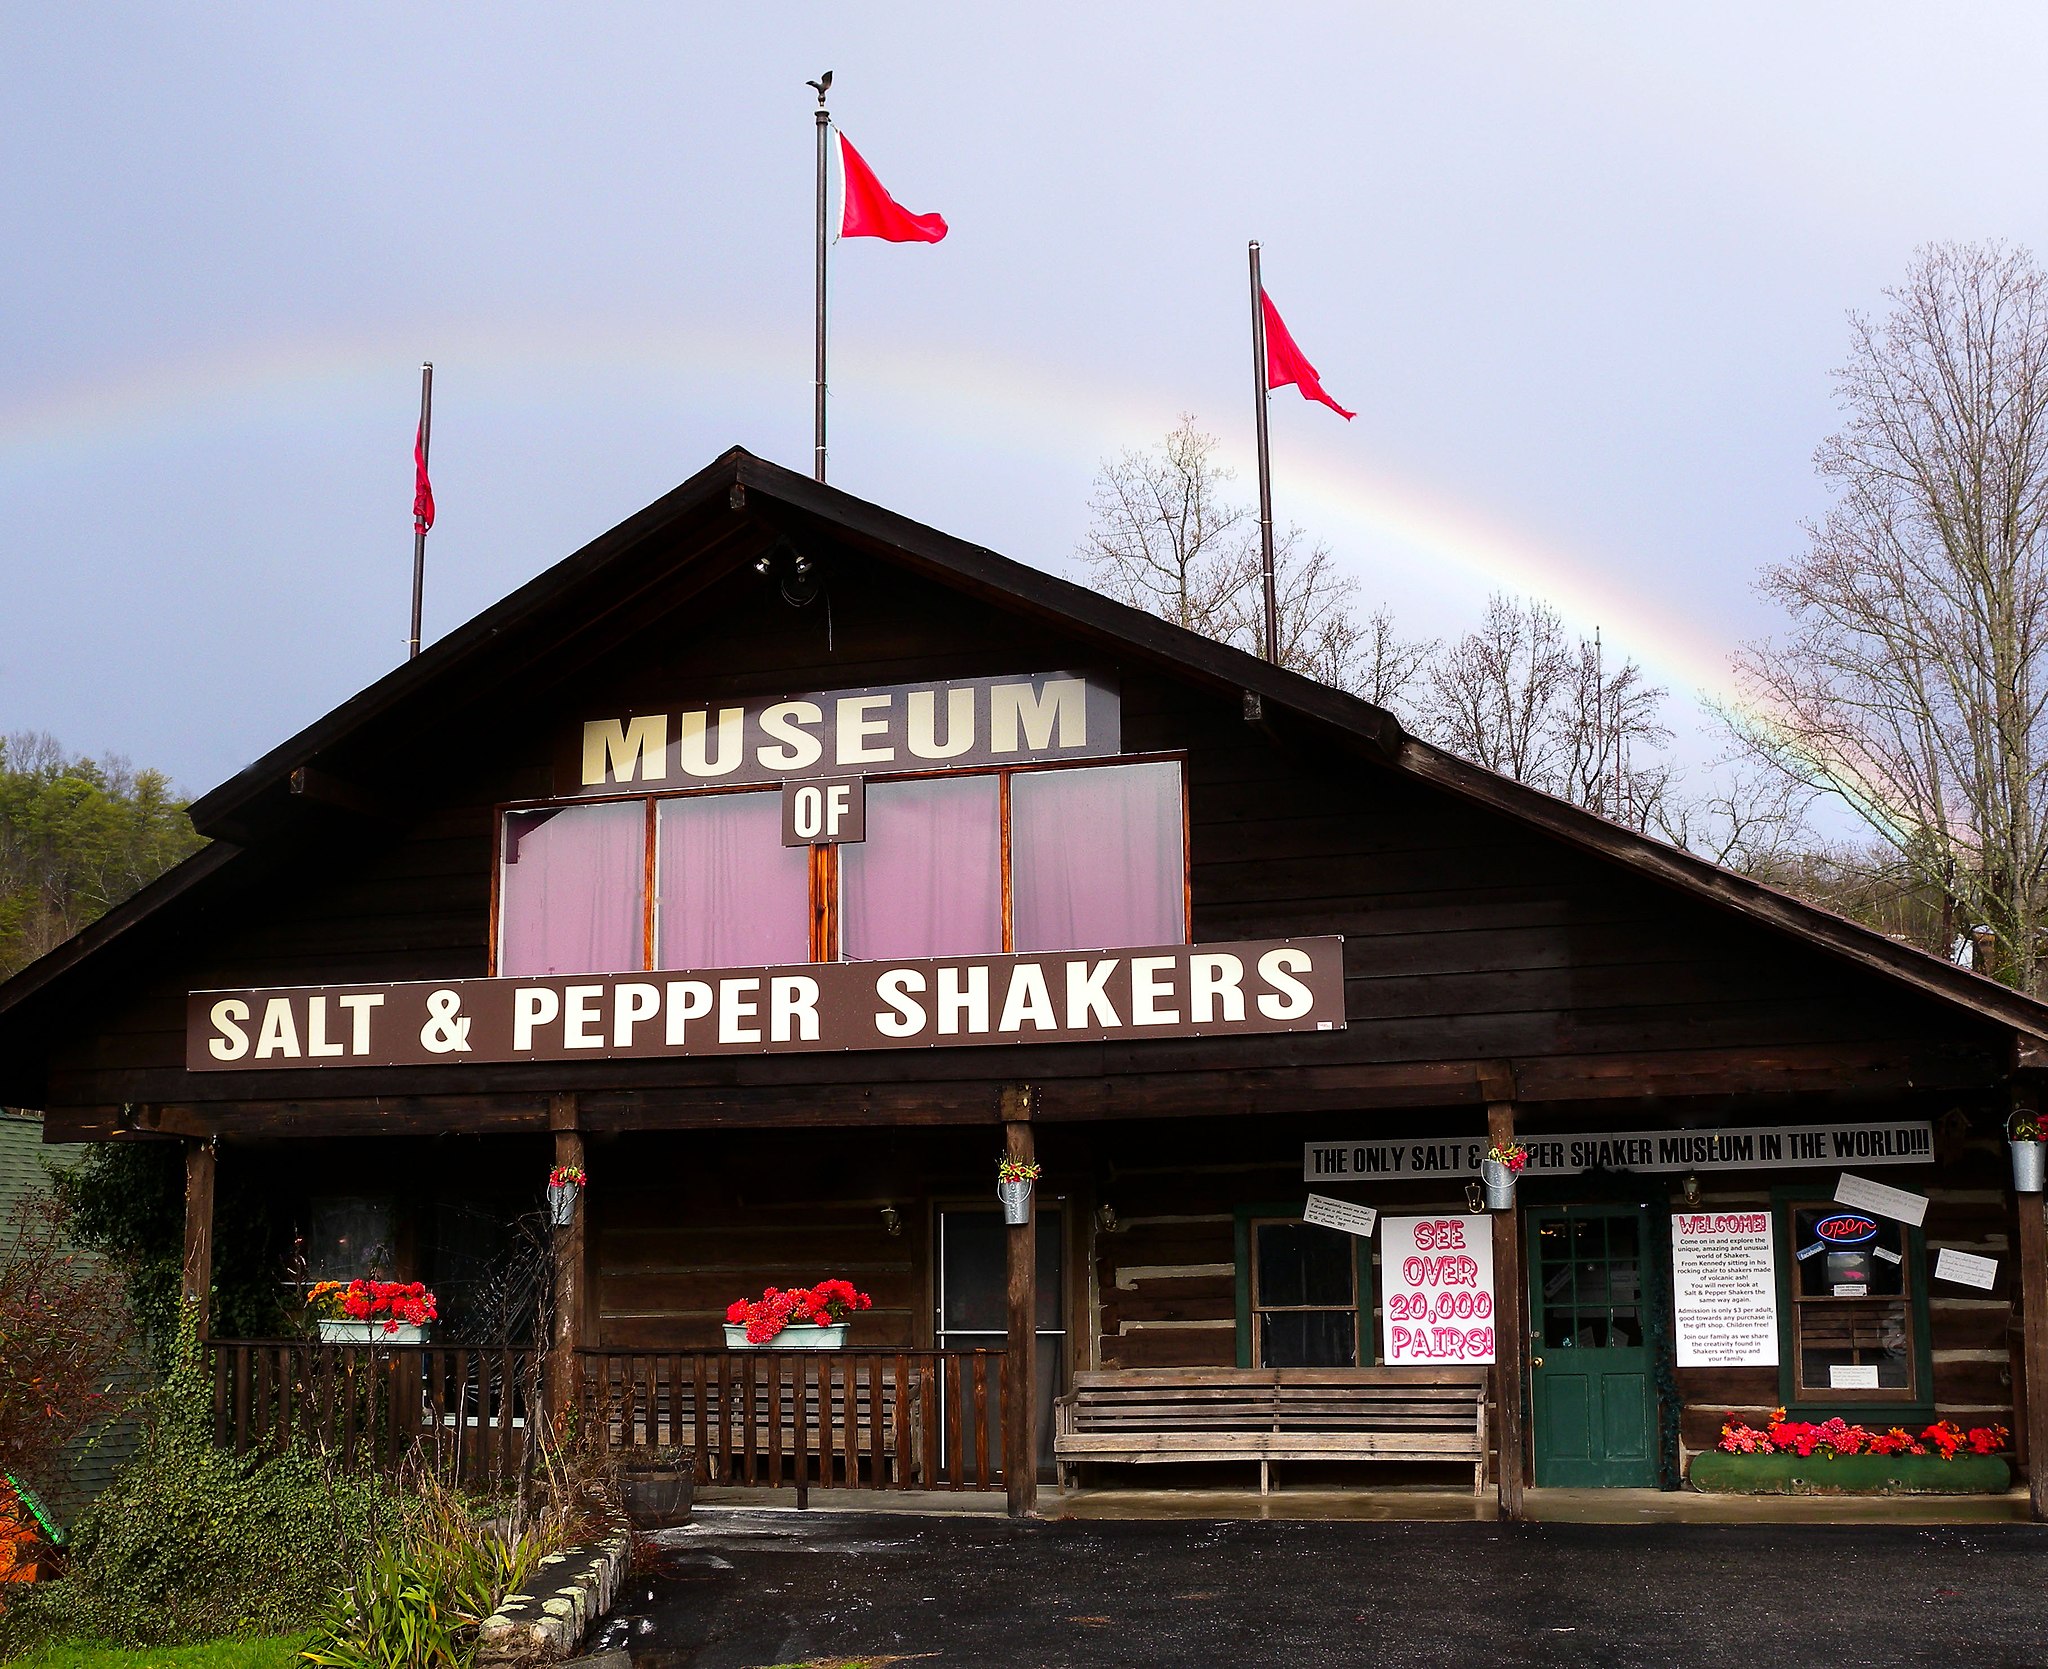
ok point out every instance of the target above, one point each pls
(1759, 1147)
(1436, 1274)
(1724, 1289)
(1264, 985)
(830, 813)
(950, 725)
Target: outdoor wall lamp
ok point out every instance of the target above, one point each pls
(1105, 1219)
(1475, 1198)
(1689, 1189)
(892, 1220)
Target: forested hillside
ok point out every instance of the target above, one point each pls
(77, 836)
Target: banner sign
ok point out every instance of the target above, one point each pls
(1222, 990)
(1724, 1289)
(1756, 1147)
(1436, 1278)
(948, 725)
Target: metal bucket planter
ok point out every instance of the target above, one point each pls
(798, 1335)
(659, 1497)
(2029, 1160)
(562, 1203)
(1016, 1198)
(1499, 1183)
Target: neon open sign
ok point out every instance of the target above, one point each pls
(1846, 1229)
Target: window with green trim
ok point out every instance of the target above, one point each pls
(1303, 1299)
(1855, 1313)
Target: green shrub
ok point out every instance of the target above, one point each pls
(191, 1541)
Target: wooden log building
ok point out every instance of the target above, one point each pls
(785, 863)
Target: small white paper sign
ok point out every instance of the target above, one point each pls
(1843, 1376)
(1897, 1203)
(1966, 1269)
(1340, 1214)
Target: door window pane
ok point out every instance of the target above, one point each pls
(728, 893)
(927, 881)
(1096, 858)
(572, 893)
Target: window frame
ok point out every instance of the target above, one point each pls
(1245, 1219)
(824, 886)
(1890, 1407)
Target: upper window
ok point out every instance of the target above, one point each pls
(1304, 1297)
(965, 864)
(1853, 1313)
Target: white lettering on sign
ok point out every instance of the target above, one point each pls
(962, 722)
(1436, 1279)
(1650, 1152)
(1896, 1203)
(1966, 1269)
(1724, 1289)
(1340, 1214)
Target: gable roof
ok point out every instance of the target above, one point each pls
(767, 500)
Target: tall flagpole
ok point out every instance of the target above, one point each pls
(1265, 460)
(419, 532)
(823, 84)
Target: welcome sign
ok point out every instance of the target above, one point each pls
(1268, 985)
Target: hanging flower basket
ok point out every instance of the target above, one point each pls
(799, 1318)
(565, 1182)
(2029, 1144)
(1014, 1178)
(1497, 1173)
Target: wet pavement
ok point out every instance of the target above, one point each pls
(745, 1590)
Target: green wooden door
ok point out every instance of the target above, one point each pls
(1592, 1381)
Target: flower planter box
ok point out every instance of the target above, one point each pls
(798, 1335)
(1720, 1473)
(345, 1331)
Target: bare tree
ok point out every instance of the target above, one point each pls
(1520, 697)
(1913, 683)
(1164, 536)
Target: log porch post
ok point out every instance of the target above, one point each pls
(566, 1330)
(2033, 1299)
(1020, 1414)
(196, 1279)
(1508, 1352)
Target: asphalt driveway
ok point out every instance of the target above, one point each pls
(744, 1590)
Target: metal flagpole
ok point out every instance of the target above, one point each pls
(419, 533)
(823, 84)
(1265, 460)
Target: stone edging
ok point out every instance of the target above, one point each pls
(569, 1591)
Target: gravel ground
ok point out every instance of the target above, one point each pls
(744, 1590)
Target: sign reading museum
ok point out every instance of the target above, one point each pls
(1266, 985)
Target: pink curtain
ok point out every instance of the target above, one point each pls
(573, 890)
(928, 879)
(728, 893)
(1096, 858)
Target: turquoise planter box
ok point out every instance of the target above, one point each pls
(1720, 1473)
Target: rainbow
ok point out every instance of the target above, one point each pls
(927, 392)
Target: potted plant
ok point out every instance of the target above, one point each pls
(2029, 1142)
(796, 1318)
(1014, 1178)
(1498, 1170)
(658, 1486)
(565, 1183)
(372, 1312)
(1833, 1457)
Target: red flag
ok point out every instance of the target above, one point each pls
(870, 212)
(423, 489)
(1285, 363)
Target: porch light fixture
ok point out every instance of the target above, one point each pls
(1105, 1219)
(1475, 1197)
(1689, 1189)
(892, 1221)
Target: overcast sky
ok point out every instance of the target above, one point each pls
(1582, 270)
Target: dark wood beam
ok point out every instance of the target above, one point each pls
(1509, 1329)
(196, 1279)
(1020, 1360)
(567, 1332)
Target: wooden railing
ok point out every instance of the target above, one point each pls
(905, 1419)
(463, 1411)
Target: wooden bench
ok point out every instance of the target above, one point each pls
(1150, 1416)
